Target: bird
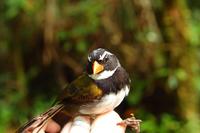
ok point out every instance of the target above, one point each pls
(100, 89)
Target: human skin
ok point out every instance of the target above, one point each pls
(104, 123)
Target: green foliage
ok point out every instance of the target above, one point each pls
(166, 124)
(13, 8)
(135, 95)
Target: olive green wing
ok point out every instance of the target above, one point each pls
(81, 90)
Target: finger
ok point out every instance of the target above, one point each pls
(107, 123)
(52, 127)
(80, 124)
(67, 127)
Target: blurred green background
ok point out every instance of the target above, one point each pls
(44, 45)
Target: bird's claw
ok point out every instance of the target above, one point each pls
(131, 122)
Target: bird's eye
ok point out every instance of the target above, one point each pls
(100, 61)
(103, 61)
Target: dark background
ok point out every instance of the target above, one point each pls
(44, 45)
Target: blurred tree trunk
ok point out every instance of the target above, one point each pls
(146, 21)
(182, 60)
(50, 47)
(17, 57)
(19, 69)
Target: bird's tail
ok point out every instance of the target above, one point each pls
(40, 121)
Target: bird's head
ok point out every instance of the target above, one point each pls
(101, 64)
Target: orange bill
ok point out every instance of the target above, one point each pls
(97, 68)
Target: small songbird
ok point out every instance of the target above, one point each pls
(99, 90)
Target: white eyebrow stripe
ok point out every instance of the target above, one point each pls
(104, 54)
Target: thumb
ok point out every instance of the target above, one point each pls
(107, 123)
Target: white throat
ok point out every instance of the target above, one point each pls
(103, 75)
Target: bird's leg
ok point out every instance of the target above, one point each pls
(131, 122)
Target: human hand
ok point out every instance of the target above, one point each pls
(106, 122)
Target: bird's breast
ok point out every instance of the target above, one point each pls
(105, 104)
